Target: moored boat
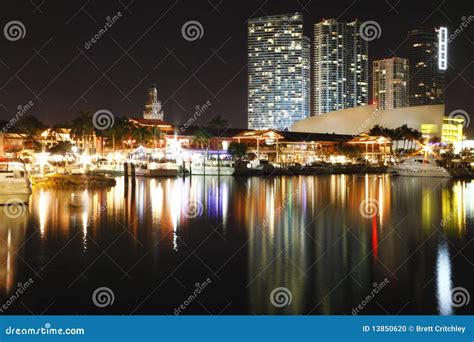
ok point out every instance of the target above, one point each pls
(420, 167)
(15, 188)
(157, 169)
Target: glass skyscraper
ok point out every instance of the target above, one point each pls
(340, 63)
(390, 83)
(426, 78)
(278, 72)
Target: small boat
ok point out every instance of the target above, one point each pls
(107, 167)
(15, 188)
(157, 169)
(213, 168)
(420, 167)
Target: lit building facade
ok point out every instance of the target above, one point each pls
(153, 109)
(340, 66)
(390, 79)
(278, 72)
(452, 130)
(427, 71)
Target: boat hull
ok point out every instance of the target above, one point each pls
(18, 198)
(157, 173)
(212, 171)
(432, 173)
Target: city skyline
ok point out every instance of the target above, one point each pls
(181, 81)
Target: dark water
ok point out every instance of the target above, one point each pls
(329, 240)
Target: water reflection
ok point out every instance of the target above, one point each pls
(252, 234)
(12, 236)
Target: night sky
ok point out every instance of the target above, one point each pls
(51, 66)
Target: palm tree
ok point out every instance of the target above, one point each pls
(83, 128)
(219, 125)
(141, 134)
(237, 150)
(202, 138)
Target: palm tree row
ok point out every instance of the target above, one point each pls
(123, 132)
(408, 135)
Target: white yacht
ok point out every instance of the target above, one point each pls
(15, 187)
(212, 168)
(104, 166)
(157, 169)
(420, 167)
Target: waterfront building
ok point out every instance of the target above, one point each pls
(390, 79)
(340, 66)
(427, 71)
(153, 109)
(278, 72)
(429, 120)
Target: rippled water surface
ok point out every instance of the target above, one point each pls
(333, 245)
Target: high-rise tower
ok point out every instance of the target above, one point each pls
(340, 66)
(390, 83)
(278, 71)
(426, 76)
